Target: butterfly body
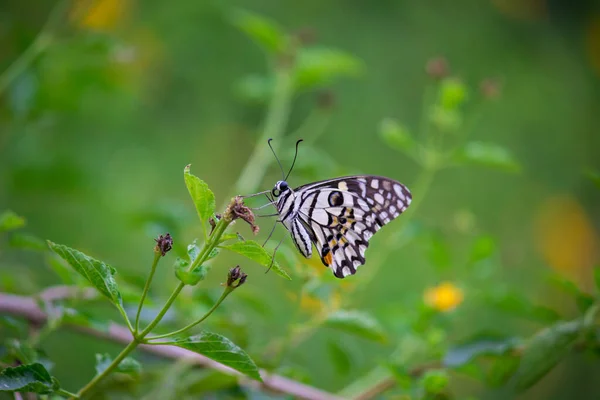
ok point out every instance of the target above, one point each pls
(339, 216)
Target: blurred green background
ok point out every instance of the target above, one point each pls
(96, 127)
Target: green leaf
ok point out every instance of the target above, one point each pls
(453, 93)
(255, 88)
(582, 299)
(340, 357)
(514, 303)
(193, 251)
(229, 236)
(597, 277)
(318, 66)
(128, 366)
(266, 33)
(487, 154)
(357, 323)
(10, 221)
(26, 242)
(482, 345)
(222, 350)
(396, 136)
(502, 369)
(543, 351)
(257, 253)
(202, 196)
(28, 378)
(435, 381)
(99, 274)
(190, 277)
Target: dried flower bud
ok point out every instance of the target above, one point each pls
(163, 244)
(490, 88)
(236, 277)
(237, 209)
(437, 68)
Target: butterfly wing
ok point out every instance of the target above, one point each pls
(342, 214)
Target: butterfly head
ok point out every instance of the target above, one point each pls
(280, 187)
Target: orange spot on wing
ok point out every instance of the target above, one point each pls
(328, 258)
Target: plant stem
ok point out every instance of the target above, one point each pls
(66, 393)
(209, 245)
(157, 256)
(226, 293)
(113, 365)
(275, 122)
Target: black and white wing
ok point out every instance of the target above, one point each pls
(342, 214)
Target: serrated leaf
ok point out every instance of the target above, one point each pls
(127, 366)
(222, 350)
(228, 236)
(396, 136)
(256, 253)
(487, 154)
(26, 242)
(543, 351)
(98, 273)
(357, 323)
(317, 66)
(265, 32)
(10, 221)
(28, 378)
(202, 196)
(193, 251)
(462, 354)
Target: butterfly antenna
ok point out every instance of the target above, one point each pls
(277, 158)
(293, 162)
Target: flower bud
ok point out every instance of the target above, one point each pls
(236, 277)
(163, 244)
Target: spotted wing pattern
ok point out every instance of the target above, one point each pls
(339, 216)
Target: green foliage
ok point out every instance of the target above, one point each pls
(543, 351)
(97, 273)
(202, 196)
(28, 378)
(396, 136)
(10, 221)
(264, 32)
(487, 154)
(127, 366)
(221, 349)
(319, 66)
(258, 254)
(356, 323)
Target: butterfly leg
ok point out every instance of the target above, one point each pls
(255, 194)
(274, 252)
(270, 234)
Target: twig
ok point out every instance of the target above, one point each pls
(27, 307)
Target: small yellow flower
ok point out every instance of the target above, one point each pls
(102, 15)
(443, 297)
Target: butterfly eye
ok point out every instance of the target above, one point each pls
(275, 192)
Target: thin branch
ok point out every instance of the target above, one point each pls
(27, 307)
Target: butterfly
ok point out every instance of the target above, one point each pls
(338, 216)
